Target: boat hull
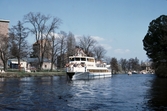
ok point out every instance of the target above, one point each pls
(88, 75)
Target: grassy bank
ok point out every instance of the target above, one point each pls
(32, 74)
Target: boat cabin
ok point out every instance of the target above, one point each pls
(83, 61)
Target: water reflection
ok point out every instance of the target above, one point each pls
(157, 98)
(34, 93)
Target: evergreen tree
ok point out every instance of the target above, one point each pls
(155, 42)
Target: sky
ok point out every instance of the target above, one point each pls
(117, 25)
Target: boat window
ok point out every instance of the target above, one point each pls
(71, 59)
(83, 59)
(90, 60)
(94, 70)
(77, 59)
(83, 64)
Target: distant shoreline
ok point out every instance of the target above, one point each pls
(32, 74)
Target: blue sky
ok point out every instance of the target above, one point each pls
(118, 25)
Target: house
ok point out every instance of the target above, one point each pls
(13, 63)
(38, 48)
(33, 62)
(30, 64)
(4, 27)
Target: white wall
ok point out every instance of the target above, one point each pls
(47, 66)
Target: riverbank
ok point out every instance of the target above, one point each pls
(28, 74)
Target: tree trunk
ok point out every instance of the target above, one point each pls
(4, 65)
(40, 66)
(51, 69)
(19, 65)
(112, 71)
(3, 60)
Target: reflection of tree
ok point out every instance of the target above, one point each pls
(158, 95)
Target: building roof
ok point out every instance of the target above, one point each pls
(28, 60)
(36, 60)
(15, 61)
(7, 21)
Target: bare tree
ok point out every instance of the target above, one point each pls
(107, 59)
(19, 46)
(55, 49)
(87, 43)
(114, 65)
(99, 52)
(71, 44)
(42, 27)
(63, 48)
(123, 64)
(4, 53)
(133, 64)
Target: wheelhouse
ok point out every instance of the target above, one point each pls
(76, 58)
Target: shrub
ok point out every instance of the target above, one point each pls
(161, 71)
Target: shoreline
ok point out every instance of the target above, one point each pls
(32, 74)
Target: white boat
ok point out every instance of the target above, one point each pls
(84, 67)
(129, 73)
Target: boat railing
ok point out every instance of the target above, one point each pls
(76, 69)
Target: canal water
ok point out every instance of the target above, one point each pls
(137, 92)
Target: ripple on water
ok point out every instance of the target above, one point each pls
(119, 93)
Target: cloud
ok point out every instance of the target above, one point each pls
(55, 34)
(100, 40)
(106, 46)
(77, 36)
(122, 51)
(97, 38)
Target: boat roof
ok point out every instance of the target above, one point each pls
(80, 57)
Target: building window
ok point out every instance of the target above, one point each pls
(45, 66)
